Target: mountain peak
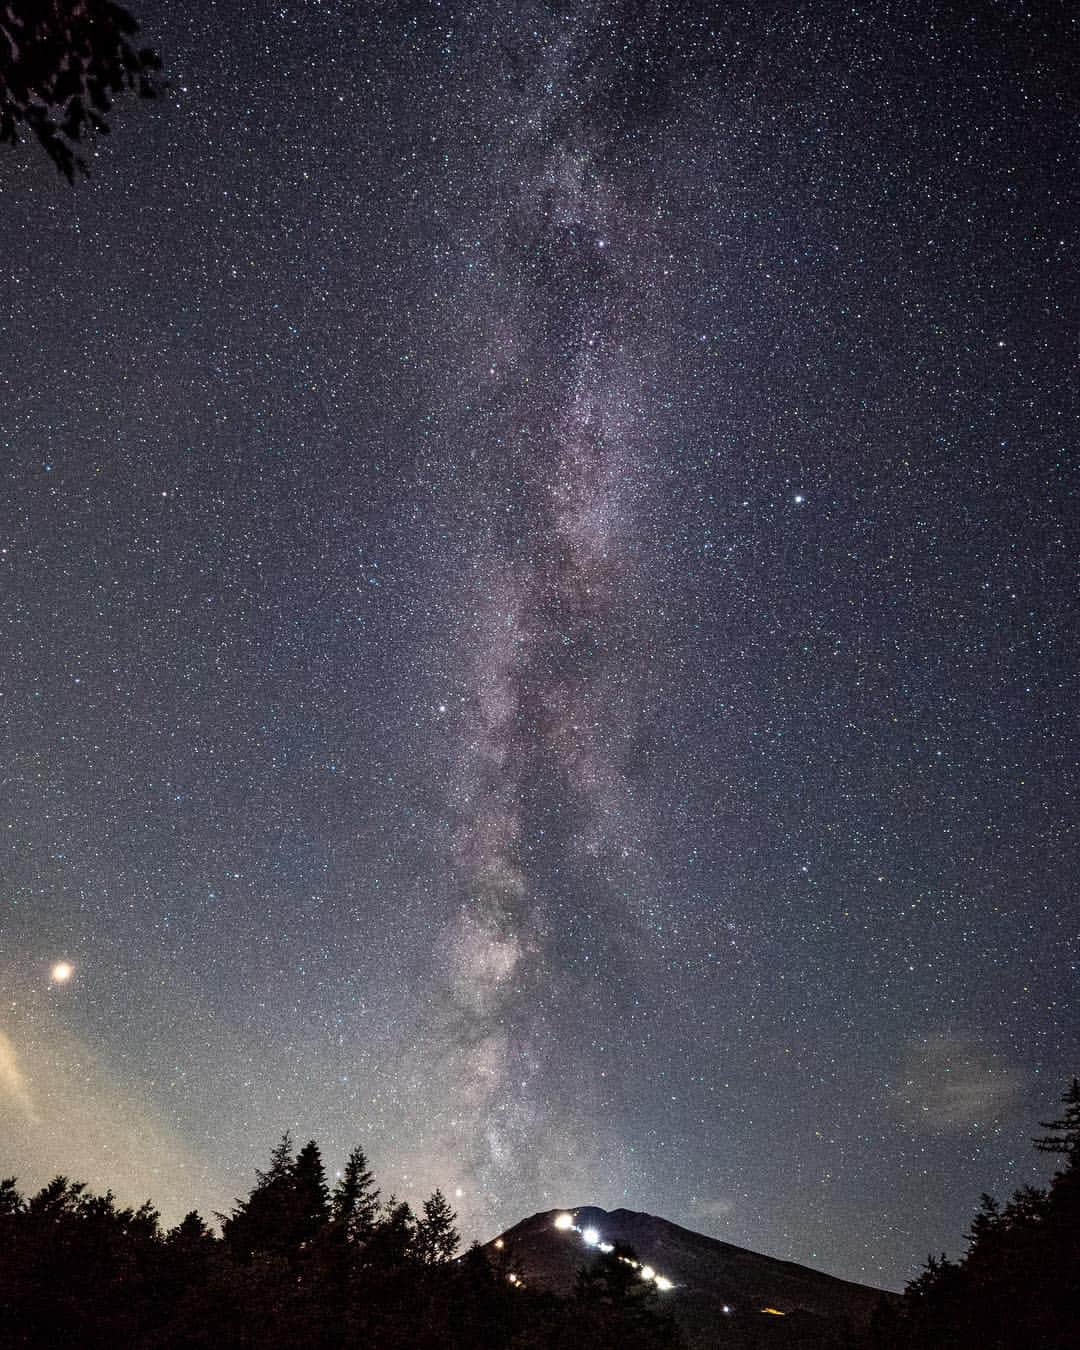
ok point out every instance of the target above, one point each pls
(706, 1283)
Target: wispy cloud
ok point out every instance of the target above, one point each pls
(950, 1082)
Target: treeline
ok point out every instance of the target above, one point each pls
(304, 1266)
(297, 1265)
(1018, 1285)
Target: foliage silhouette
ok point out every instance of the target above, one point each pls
(62, 64)
(298, 1266)
(1018, 1285)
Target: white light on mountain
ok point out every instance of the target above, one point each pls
(564, 1221)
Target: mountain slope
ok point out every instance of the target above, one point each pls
(721, 1295)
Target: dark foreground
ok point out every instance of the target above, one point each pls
(299, 1266)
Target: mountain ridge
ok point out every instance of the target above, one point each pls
(719, 1293)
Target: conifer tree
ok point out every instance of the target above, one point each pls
(191, 1229)
(436, 1237)
(392, 1242)
(986, 1224)
(310, 1195)
(355, 1202)
(265, 1221)
(1066, 1136)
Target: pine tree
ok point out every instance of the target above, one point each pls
(611, 1279)
(191, 1229)
(614, 1307)
(265, 1221)
(281, 1162)
(436, 1237)
(355, 1202)
(392, 1242)
(1066, 1136)
(985, 1227)
(310, 1195)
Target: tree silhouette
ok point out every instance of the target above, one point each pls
(62, 63)
(1066, 1136)
(617, 1306)
(436, 1238)
(76, 1268)
(310, 1196)
(354, 1205)
(1019, 1283)
(391, 1244)
(265, 1221)
(298, 1267)
(11, 1202)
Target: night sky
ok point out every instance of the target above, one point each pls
(538, 614)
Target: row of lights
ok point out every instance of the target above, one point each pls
(590, 1236)
(513, 1277)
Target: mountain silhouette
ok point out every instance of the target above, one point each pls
(720, 1295)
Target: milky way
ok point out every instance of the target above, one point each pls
(552, 699)
(538, 603)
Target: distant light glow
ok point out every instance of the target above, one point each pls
(62, 972)
(564, 1221)
(774, 1311)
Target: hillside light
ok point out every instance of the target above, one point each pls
(564, 1221)
(592, 1237)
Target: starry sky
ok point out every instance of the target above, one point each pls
(538, 614)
